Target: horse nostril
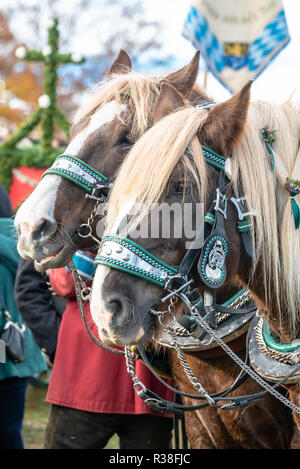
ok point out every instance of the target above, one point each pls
(120, 309)
(44, 229)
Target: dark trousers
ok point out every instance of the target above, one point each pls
(75, 429)
(12, 403)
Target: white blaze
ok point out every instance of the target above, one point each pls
(41, 203)
(104, 115)
(96, 302)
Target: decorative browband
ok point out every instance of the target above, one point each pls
(124, 254)
(77, 171)
(213, 158)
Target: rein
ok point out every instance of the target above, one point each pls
(126, 255)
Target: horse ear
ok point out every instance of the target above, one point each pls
(184, 79)
(122, 64)
(226, 121)
(168, 100)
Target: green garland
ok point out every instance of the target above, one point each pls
(28, 156)
(48, 114)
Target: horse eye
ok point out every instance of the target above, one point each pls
(179, 188)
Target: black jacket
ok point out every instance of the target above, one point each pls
(6, 210)
(39, 307)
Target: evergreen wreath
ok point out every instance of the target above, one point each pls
(42, 154)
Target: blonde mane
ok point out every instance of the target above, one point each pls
(139, 91)
(276, 241)
(145, 173)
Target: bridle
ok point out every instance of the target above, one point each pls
(124, 254)
(176, 280)
(94, 183)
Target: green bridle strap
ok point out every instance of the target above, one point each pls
(278, 346)
(77, 171)
(124, 254)
(213, 158)
(242, 226)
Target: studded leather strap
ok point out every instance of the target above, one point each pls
(77, 171)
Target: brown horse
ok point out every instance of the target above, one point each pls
(53, 221)
(50, 220)
(159, 169)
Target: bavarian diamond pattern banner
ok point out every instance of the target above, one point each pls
(237, 38)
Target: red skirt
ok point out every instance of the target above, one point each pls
(88, 378)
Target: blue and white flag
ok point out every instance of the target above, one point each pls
(237, 38)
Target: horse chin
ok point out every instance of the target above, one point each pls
(121, 338)
(59, 258)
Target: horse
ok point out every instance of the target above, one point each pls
(51, 220)
(168, 165)
(56, 219)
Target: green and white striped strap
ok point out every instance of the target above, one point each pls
(77, 171)
(244, 225)
(213, 158)
(124, 254)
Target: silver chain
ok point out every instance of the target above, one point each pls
(80, 298)
(192, 378)
(88, 226)
(130, 358)
(172, 331)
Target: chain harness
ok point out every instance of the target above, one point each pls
(125, 255)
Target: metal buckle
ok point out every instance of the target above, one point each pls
(242, 210)
(205, 105)
(97, 187)
(178, 290)
(221, 203)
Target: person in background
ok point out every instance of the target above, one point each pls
(13, 376)
(90, 391)
(39, 306)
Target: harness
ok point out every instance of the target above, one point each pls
(95, 184)
(126, 255)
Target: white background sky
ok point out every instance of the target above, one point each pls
(278, 82)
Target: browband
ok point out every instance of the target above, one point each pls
(77, 171)
(124, 254)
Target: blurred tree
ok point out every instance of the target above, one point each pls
(96, 29)
(21, 87)
(7, 42)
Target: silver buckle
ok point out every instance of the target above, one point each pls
(237, 202)
(224, 200)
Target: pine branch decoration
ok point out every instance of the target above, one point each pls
(48, 114)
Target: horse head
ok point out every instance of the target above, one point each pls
(57, 218)
(167, 166)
